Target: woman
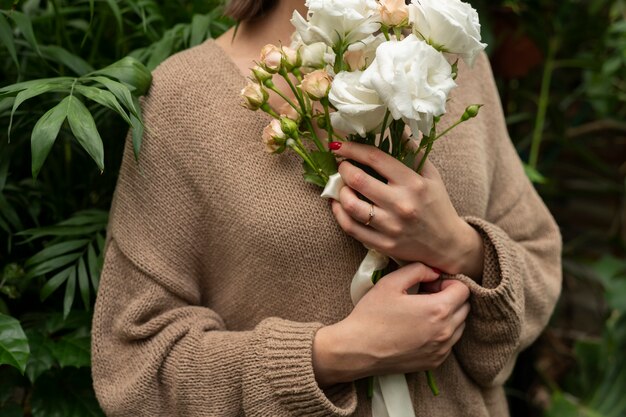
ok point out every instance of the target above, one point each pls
(225, 288)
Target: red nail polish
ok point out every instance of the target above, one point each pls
(436, 271)
(334, 146)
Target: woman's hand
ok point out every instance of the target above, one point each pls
(413, 217)
(390, 331)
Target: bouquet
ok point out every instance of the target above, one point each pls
(374, 72)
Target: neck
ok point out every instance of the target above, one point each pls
(274, 27)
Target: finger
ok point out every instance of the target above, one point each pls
(431, 287)
(359, 180)
(383, 163)
(364, 234)
(456, 336)
(362, 211)
(406, 277)
(460, 315)
(453, 292)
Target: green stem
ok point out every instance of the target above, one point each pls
(432, 383)
(544, 101)
(329, 126)
(449, 129)
(385, 31)
(305, 113)
(429, 147)
(267, 109)
(272, 87)
(370, 387)
(384, 126)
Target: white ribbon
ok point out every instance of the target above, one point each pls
(391, 393)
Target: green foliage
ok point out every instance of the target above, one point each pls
(70, 83)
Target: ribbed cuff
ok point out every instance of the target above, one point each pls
(286, 354)
(499, 295)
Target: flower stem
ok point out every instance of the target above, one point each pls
(544, 101)
(284, 97)
(448, 129)
(329, 125)
(432, 383)
(305, 113)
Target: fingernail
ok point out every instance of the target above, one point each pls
(334, 146)
(436, 271)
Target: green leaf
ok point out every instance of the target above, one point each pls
(25, 26)
(120, 91)
(54, 283)
(52, 265)
(137, 129)
(64, 57)
(94, 267)
(160, 50)
(385, 145)
(55, 250)
(116, 12)
(59, 231)
(6, 37)
(70, 290)
(103, 97)
(534, 175)
(33, 91)
(9, 213)
(83, 283)
(200, 25)
(314, 179)
(45, 133)
(130, 71)
(14, 348)
(13, 89)
(87, 217)
(74, 350)
(84, 129)
(41, 355)
(326, 161)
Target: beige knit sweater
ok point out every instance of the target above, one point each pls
(221, 262)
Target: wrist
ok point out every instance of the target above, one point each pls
(469, 252)
(335, 358)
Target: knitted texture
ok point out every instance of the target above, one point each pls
(221, 263)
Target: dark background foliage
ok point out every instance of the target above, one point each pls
(561, 70)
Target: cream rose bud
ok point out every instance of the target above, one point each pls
(291, 57)
(393, 12)
(271, 58)
(449, 25)
(316, 84)
(317, 55)
(359, 109)
(412, 79)
(254, 96)
(361, 54)
(260, 74)
(274, 137)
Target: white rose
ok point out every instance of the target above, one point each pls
(361, 54)
(412, 79)
(334, 21)
(449, 25)
(359, 109)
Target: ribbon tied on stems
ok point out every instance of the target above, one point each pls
(390, 396)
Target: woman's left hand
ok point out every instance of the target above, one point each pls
(413, 217)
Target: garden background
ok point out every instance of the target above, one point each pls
(561, 71)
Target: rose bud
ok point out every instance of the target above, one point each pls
(271, 58)
(289, 127)
(286, 110)
(471, 112)
(260, 74)
(254, 96)
(274, 137)
(291, 58)
(316, 84)
(393, 13)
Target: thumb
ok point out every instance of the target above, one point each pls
(410, 275)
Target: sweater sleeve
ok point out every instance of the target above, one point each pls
(157, 348)
(522, 263)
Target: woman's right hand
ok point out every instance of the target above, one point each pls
(390, 331)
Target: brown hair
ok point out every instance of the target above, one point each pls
(248, 9)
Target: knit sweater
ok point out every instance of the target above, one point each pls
(221, 263)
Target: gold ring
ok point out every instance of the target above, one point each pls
(371, 214)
